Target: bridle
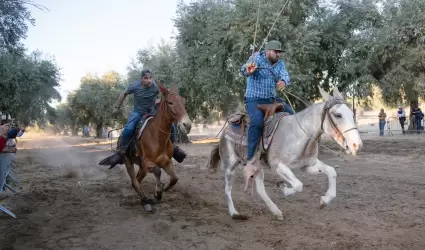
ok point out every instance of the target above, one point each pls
(328, 105)
(167, 107)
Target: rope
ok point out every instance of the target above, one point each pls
(270, 30)
(296, 118)
(256, 27)
(268, 33)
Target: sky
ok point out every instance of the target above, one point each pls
(95, 36)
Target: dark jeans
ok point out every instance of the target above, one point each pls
(133, 119)
(381, 127)
(257, 120)
(402, 121)
(419, 123)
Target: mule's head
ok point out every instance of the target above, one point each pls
(175, 105)
(338, 122)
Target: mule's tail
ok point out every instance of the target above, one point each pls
(213, 160)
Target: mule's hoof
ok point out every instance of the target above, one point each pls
(279, 217)
(280, 184)
(158, 196)
(148, 208)
(147, 201)
(239, 217)
(322, 203)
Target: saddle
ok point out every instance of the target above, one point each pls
(240, 121)
(142, 125)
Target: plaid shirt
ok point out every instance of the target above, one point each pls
(262, 84)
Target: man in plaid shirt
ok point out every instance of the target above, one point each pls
(264, 73)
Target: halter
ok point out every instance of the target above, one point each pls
(167, 107)
(329, 104)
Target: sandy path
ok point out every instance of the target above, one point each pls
(68, 202)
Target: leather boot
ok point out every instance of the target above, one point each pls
(179, 154)
(115, 159)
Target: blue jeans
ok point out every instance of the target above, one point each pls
(173, 136)
(126, 134)
(256, 124)
(381, 127)
(133, 119)
(287, 108)
(418, 123)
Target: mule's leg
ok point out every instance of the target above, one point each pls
(169, 169)
(229, 176)
(159, 188)
(135, 183)
(321, 167)
(286, 173)
(261, 190)
(141, 175)
(229, 161)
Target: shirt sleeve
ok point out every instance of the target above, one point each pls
(130, 89)
(256, 61)
(283, 73)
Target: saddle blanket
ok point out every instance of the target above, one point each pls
(234, 131)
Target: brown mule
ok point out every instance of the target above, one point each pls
(155, 147)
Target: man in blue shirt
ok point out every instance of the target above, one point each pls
(264, 73)
(145, 92)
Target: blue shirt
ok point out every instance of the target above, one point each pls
(144, 97)
(262, 84)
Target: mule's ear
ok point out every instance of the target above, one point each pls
(337, 94)
(162, 89)
(325, 95)
(175, 88)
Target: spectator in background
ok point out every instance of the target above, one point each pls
(382, 116)
(401, 117)
(4, 129)
(417, 113)
(86, 131)
(16, 132)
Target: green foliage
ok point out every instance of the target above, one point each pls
(27, 82)
(93, 102)
(397, 60)
(349, 43)
(14, 16)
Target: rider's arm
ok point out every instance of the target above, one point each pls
(283, 73)
(130, 89)
(121, 99)
(256, 61)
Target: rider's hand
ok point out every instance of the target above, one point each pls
(280, 85)
(251, 68)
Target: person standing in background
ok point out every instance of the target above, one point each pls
(382, 116)
(401, 114)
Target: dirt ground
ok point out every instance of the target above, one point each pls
(67, 201)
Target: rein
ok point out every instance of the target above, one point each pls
(325, 112)
(328, 104)
(167, 109)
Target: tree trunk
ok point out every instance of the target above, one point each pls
(99, 130)
(412, 119)
(74, 131)
(182, 137)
